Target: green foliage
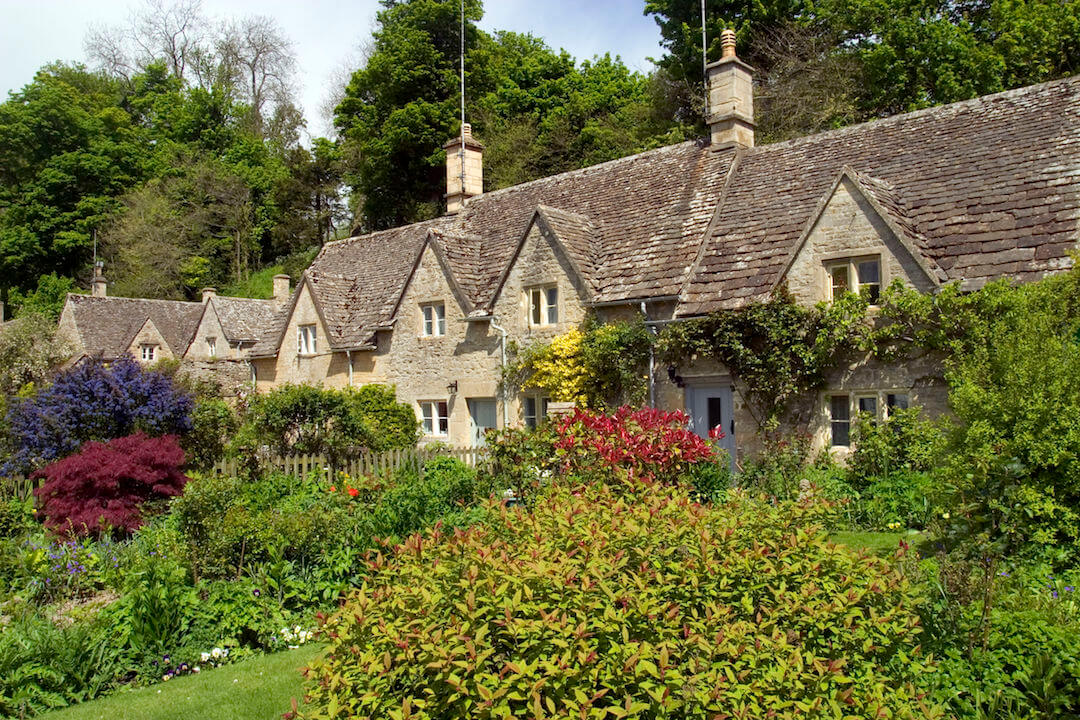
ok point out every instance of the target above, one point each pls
(30, 350)
(595, 603)
(904, 441)
(301, 419)
(899, 499)
(778, 350)
(46, 300)
(521, 460)
(213, 425)
(778, 469)
(1029, 666)
(1012, 362)
(447, 488)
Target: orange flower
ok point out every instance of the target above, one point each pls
(333, 488)
(353, 492)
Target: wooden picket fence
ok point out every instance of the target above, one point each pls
(364, 463)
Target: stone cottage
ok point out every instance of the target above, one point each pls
(965, 192)
(208, 337)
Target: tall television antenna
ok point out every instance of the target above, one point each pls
(704, 61)
(461, 151)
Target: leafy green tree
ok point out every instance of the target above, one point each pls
(46, 300)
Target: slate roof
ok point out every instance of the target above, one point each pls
(106, 326)
(243, 319)
(979, 189)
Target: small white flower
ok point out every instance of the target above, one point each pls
(204, 656)
(195, 669)
(216, 653)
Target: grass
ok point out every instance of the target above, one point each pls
(257, 689)
(878, 543)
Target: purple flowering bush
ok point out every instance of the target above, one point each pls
(92, 401)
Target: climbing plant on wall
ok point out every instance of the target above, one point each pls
(778, 351)
(600, 365)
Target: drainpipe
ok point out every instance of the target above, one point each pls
(652, 359)
(348, 354)
(502, 364)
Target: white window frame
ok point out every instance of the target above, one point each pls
(534, 410)
(435, 417)
(543, 305)
(307, 339)
(148, 352)
(433, 319)
(211, 347)
(855, 284)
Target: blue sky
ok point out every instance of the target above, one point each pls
(326, 33)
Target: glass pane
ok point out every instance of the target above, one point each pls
(530, 412)
(426, 409)
(841, 433)
(534, 301)
(869, 272)
(840, 284)
(715, 412)
(838, 407)
(440, 314)
(427, 320)
(898, 400)
(543, 408)
(868, 405)
(552, 306)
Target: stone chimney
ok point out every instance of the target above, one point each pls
(463, 182)
(208, 293)
(98, 287)
(731, 97)
(282, 286)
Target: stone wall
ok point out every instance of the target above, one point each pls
(149, 335)
(323, 367)
(232, 376)
(209, 327)
(850, 227)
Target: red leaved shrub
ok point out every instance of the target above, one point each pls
(645, 444)
(105, 485)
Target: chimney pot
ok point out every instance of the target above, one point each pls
(727, 43)
(208, 293)
(282, 288)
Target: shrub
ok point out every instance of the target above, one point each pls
(107, 485)
(779, 468)
(521, 460)
(92, 401)
(29, 351)
(903, 442)
(597, 604)
(302, 419)
(632, 445)
(413, 503)
(213, 425)
(900, 498)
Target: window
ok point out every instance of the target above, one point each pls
(535, 410)
(436, 417)
(840, 415)
(148, 352)
(859, 275)
(896, 401)
(544, 306)
(434, 319)
(306, 340)
(868, 404)
(211, 347)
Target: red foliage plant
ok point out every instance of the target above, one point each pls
(104, 487)
(646, 444)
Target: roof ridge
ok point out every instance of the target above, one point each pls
(119, 297)
(447, 219)
(589, 168)
(903, 116)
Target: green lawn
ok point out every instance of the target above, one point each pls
(878, 543)
(257, 689)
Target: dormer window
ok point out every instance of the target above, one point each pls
(148, 353)
(860, 275)
(434, 319)
(544, 306)
(306, 340)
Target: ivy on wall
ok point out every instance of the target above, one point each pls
(778, 351)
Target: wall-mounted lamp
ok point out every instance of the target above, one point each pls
(675, 377)
(452, 388)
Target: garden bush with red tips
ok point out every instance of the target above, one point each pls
(106, 485)
(633, 445)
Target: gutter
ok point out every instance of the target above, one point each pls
(630, 301)
(502, 364)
